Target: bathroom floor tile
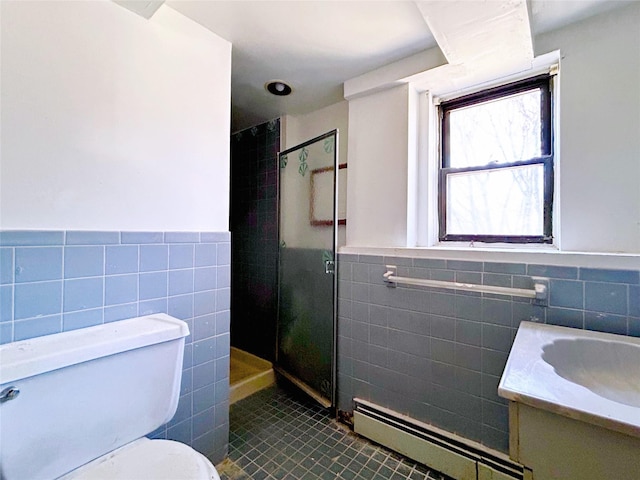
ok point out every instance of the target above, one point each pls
(278, 434)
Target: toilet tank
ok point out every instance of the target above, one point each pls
(86, 392)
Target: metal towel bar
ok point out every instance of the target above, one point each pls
(538, 293)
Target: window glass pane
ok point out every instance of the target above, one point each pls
(506, 201)
(503, 130)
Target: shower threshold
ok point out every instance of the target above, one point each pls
(248, 375)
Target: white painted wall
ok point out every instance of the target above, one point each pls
(378, 165)
(300, 128)
(111, 121)
(599, 144)
(297, 129)
(599, 131)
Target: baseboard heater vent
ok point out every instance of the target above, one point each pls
(445, 452)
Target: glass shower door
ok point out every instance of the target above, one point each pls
(306, 349)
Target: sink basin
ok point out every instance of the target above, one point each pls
(589, 376)
(597, 365)
(574, 410)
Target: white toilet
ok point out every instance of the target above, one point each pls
(76, 405)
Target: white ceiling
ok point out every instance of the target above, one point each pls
(315, 46)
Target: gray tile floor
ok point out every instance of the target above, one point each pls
(278, 434)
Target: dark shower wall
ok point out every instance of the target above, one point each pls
(254, 238)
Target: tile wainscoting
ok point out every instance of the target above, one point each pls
(54, 281)
(437, 355)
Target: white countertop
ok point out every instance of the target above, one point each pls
(529, 379)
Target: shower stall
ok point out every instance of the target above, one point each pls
(254, 257)
(286, 222)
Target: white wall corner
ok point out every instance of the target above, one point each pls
(413, 172)
(394, 74)
(556, 213)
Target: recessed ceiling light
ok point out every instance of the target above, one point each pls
(278, 87)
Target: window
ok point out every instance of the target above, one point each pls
(496, 175)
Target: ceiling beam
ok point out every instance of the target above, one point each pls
(479, 41)
(144, 8)
(481, 31)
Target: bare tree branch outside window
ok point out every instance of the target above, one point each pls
(486, 195)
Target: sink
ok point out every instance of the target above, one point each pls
(585, 375)
(604, 367)
(574, 403)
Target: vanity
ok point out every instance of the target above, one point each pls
(574, 403)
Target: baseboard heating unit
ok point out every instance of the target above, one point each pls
(445, 452)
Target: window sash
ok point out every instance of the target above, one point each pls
(542, 82)
(546, 237)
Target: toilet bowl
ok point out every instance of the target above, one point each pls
(77, 405)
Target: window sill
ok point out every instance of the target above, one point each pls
(495, 247)
(538, 254)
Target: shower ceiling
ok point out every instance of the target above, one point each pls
(315, 46)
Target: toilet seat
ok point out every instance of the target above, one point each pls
(146, 459)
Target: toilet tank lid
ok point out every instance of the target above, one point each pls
(31, 357)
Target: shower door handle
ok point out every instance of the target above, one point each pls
(329, 266)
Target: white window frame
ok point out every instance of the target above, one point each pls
(423, 191)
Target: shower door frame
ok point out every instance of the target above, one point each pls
(332, 403)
